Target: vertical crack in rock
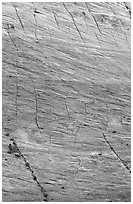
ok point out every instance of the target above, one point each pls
(8, 31)
(35, 24)
(111, 147)
(36, 11)
(15, 149)
(36, 103)
(75, 140)
(111, 29)
(124, 33)
(93, 17)
(119, 26)
(94, 30)
(67, 110)
(55, 18)
(74, 23)
(18, 16)
(105, 138)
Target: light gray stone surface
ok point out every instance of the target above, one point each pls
(66, 102)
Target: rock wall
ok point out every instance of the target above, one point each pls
(66, 101)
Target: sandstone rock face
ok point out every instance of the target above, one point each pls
(66, 102)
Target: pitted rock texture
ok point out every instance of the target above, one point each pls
(66, 101)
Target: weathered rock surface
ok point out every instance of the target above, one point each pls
(66, 102)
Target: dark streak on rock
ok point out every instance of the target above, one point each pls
(45, 195)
